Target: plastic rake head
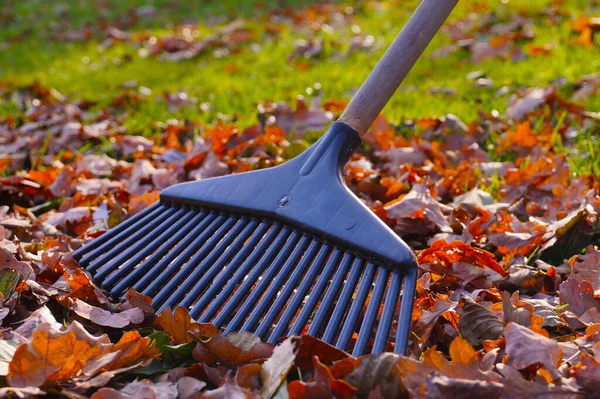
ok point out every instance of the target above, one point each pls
(283, 251)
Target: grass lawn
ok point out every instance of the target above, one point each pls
(234, 84)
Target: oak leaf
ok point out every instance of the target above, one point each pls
(54, 355)
(323, 386)
(180, 326)
(525, 348)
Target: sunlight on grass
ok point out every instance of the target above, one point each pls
(236, 83)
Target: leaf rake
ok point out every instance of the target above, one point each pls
(286, 250)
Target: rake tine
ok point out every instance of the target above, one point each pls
(117, 244)
(121, 227)
(408, 294)
(342, 304)
(289, 286)
(171, 293)
(357, 306)
(371, 314)
(140, 249)
(266, 252)
(330, 295)
(222, 279)
(300, 294)
(210, 224)
(171, 244)
(201, 277)
(254, 295)
(387, 316)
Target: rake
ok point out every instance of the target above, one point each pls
(281, 251)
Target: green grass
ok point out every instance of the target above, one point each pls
(85, 70)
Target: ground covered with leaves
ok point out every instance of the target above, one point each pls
(501, 208)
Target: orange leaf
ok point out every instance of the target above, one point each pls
(323, 386)
(444, 254)
(224, 350)
(82, 288)
(180, 327)
(54, 355)
(248, 376)
(462, 352)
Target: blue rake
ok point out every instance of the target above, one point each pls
(281, 251)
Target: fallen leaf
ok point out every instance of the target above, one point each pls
(176, 324)
(82, 288)
(377, 371)
(54, 355)
(323, 386)
(105, 318)
(525, 348)
(139, 389)
(579, 295)
(419, 201)
(477, 323)
(460, 260)
(234, 349)
(229, 389)
(188, 387)
(8, 261)
(274, 371)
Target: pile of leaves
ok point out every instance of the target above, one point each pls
(503, 228)
(502, 212)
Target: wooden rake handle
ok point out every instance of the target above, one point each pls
(395, 64)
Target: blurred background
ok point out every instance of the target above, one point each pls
(217, 60)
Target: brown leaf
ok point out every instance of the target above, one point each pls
(377, 371)
(309, 346)
(458, 388)
(53, 355)
(323, 386)
(525, 347)
(72, 217)
(139, 389)
(527, 279)
(587, 373)
(519, 315)
(229, 390)
(25, 331)
(579, 295)
(301, 120)
(460, 260)
(105, 318)
(84, 383)
(135, 300)
(234, 349)
(417, 376)
(206, 373)
(477, 323)
(516, 386)
(211, 167)
(25, 392)
(419, 207)
(82, 288)
(585, 267)
(248, 376)
(180, 327)
(428, 318)
(532, 99)
(8, 260)
(189, 388)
